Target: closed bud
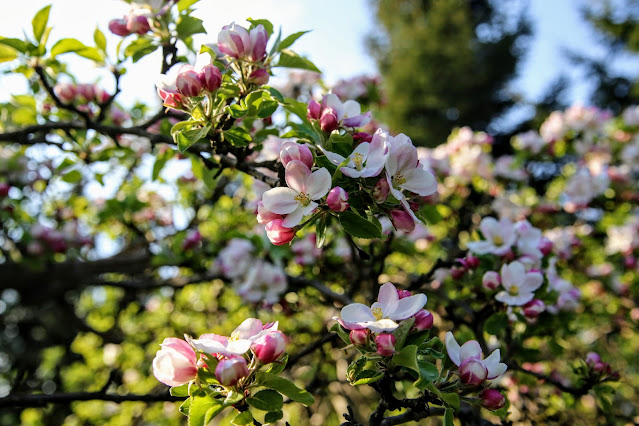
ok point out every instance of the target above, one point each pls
(328, 120)
(359, 337)
(259, 77)
(492, 399)
(291, 151)
(533, 308)
(230, 370)
(337, 199)
(270, 347)
(456, 272)
(210, 77)
(173, 100)
(101, 96)
(472, 372)
(188, 83)
(278, 234)
(66, 92)
(472, 262)
(545, 246)
(630, 262)
(491, 280)
(265, 216)
(402, 221)
(176, 363)
(4, 189)
(313, 110)
(423, 320)
(259, 38)
(138, 24)
(403, 293)
(192, 239)
(119, 27)
(381, 191)
(359, 137)
(86, 92)
(385, 344)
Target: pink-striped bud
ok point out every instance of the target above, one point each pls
(472, 262)
(210, 77)
(86, 92)
(66, 92)
(545, 246)
(381, 191)
(359, 337)
(423, 320)
(192, 239)
(138, 24)
(278, 234)
(337, 199)
(259, 38)
(270, 347)
(188, 83)
(385, 344)
(291, 151)
(328, 120)
(230, 370)
(402, 221)
(456, 272)
(492, 399)
(265, 216)
(403, 293)
(491, 280)
(313, 110)
(472, 372)
(533, 308)
(173, 100)
(259, 77)
(175, 363)
(119, 27)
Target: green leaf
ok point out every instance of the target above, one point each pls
(428, 372)
(237, 111)
(407, 357)
(66, 45)
(189, 25)
(496, 323)
(267, 24)
(266, 400)
(448, 417)
(367, 377)
(39, 23)
(180, 390)
(278, 366)
(320, 232)
(185, 4)
(288, 41)
(342, 333)
(7, 53)
(185, 407)
(401, 333)
(244, 418)
(355, 368)
(233, 398)
(357, 226)
(237, 137)
(99, 39)
(203, 409)
(160, 162)
(272, 417)
(451, 399)
(15, 43)
(285, 387)
(72, 176)
(139, 48)
(186, 138)
(290, 59)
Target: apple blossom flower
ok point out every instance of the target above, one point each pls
(519, 285)
(367, 160)
(348, 113)
(235, 259)
(176, 363)
(385, 343)
(471, 351)
(291, 151)
(239, 43)
(305, 250)
(264, 282)
(499, 237)
(230, 370)
(297, 200)
(337, 199)
(238, 343)
(381, 316)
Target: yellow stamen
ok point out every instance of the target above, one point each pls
(303, 199)
(377, 313)
(398, 179)
(358, 160)
(514, 290)
(497, 240)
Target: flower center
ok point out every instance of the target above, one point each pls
(399, 179)
(514, 290)
(303, 199)
(377, 313)
(358, 160)
(497, 240)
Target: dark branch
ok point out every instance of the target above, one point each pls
(39, 400)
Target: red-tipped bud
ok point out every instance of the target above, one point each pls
(472, 372)
(265, 216)
(192, 239)
(328, 120)
(138, 24)
(423, 320)
(4, 189)
(66, 92)
(337, 199)
(210, 77)
(313, 110)
(230, 370)
(545, 246)
(259, 77)
(492, 399)
(403, 293)
(101, 96)
(630, 262)
(533, 308)
(381, 191)
(472, 262)
(278, 234)
(188, 83)
(491, 280)
(402, 221)
(456, 272)
(385, 344)
(119, 27)
(291, 151)
(172, 100)
(270, 347)
(359, 337)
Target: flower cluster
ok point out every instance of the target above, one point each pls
(140, 18)
(88, 97)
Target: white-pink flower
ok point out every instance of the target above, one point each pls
(519, 285)
(471, 351)
(348, 113)
(238, 343)
(296, 201)
(367, 160)
(381, 316)
(499, 237)
(176, 363)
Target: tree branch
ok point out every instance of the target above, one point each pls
(39, 400)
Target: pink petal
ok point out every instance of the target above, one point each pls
(318, 184)
(293, 218)
(248, 328)
(532, 282)
(297, 174)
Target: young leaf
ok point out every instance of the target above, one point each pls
(203, 409)
(357, 226)
(185, 4)
(290, 59)
(273, 416)
(288, 41)
(368, 376)
(99, 39)
(355, 368)
(401, 333)
(266, 400)
(285, 387)
(427, 372)
(407, 357)
(244, 418)
(16, 43)
(189, 25)
(66, 45)
(278, 366)
(448, 417)
(237, 137)
(265, 22)
(39, 23)
(451, 399)
(342, 333)
(7, 53)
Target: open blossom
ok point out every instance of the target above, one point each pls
(332, 113)
(291, 151)
(297, 200)
(381, 316)
(499, 237)
(469, 358)
(238, 343)
(263, 282)
(367, 160)
(519, 285)
(176, 363)
(235, 259)
(237, 42)
(529, 240)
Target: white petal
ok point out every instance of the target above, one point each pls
(280, 200)
(470, 349)
(480, 247)
(387, 298)
(247, 329)
(489, 227)
(408, 306)
(381, 325)
(356, 312)
(238, 347)
(453, 349)
(494, 367)
(420, 181)
(532, 282)
(318, 184)
(293, 218)
(518, 300)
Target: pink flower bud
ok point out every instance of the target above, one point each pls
(472, 372)
(230, 370)
(472, 262)
(381, 191)
(403, 293)
(337, 199)
(533, 308)
(359, 137)
(423, 320)
(491, 280)
(385, 344)
(270, 347)
(294, 151)
(492, 399)
(66, 92)
(313, 110)
(101, 96)
(188, 83)
(265, 216)
(278, 234)
(402, 221)
(86, 92)
(210, 77)
(259, 38)
(630, 262)
(176, 363)
(137, 24)
(4, 189)
(259, 77)
(328, 120)
(545, 246)
(359, 337)
(119, 27)
(456, 272)
(192, 239)
(172, 100)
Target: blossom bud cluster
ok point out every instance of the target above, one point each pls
(140, 18)
(86, 96)
(46, 239)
